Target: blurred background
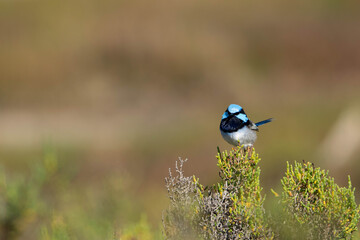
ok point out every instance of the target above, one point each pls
(108, 94)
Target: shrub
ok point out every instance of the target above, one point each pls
(312, 200)
(138, 231)
(20, 201)
(181, 219)
(57, 231)
(312, 206)
(22, 204)
(18, 204)
(230, 209)
(233, 208)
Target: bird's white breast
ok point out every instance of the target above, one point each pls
(245, 136)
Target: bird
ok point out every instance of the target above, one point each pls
(237, 129)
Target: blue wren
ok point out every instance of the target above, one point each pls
(237, 129)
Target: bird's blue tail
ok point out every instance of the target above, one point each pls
(263, 122)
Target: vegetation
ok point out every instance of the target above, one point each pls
(314, 201)
(314, 207)
(311, 205)
(39, 204)
(233, 208)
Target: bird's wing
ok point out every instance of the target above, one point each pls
(232, 124)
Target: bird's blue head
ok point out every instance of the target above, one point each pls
(233, 108)
(238, 110)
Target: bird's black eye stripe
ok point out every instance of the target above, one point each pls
(230, 115)
(236, 113)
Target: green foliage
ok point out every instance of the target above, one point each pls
(233, 208)
(18, 203)
(58, 230)
(230, 209)
(138, 231)
(22, 202)
(41, 204)
(321, 208)
(312, 206)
